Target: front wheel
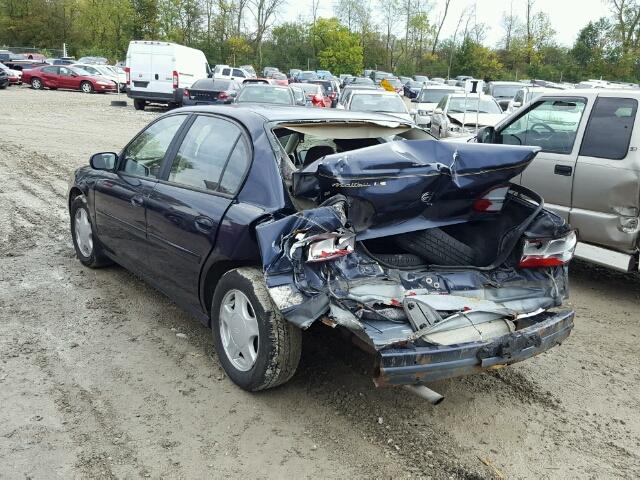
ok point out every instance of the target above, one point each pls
(85, 241)
(256, 346)
(86, 87)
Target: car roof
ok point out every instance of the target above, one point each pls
(443, 87)
(377, 91)
(500, 82)
(283, 113)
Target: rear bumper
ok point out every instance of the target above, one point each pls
(418, 365)
(156, 97)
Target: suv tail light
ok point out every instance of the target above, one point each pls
(176, 79)
(223, 96)
(552, 252)
(127, 71)
(492, 201)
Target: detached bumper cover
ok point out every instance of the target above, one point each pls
(418, 365)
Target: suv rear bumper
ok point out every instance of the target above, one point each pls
(418, 365)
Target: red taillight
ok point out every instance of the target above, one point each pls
(223, 96)
(492, 201)
(186, 92)
(317, 99)
(127, 71)
(538, 253)
(176, 79)
(332, 95)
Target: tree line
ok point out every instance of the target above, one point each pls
(403, 36)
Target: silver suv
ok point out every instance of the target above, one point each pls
(589, 168)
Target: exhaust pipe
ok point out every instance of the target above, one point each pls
(429, 395)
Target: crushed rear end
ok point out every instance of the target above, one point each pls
(426, 253)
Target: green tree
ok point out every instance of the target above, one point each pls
(338, 49)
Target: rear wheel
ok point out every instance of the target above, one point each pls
(86, 87)
(139, 104)
(256, 346)
(36, 84)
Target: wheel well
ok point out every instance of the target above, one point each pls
(213, 275)
(75, 192)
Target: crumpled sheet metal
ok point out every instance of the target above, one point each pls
(303, 291)
(399, 187)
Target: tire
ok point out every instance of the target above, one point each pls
(37, 84)
(95, 257)
(399, 260)
(437, 247)
(279, 343)
(139, 104)
(86, 87)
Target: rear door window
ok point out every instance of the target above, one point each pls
(213, 156)
(226, 72)
(610, 126)
(238, 73)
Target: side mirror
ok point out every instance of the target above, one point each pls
(103, 161)
(437, 110)
(486, 135)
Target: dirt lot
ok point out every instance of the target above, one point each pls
(96, 383)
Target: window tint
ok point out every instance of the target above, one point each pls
(65, 71)
(226, 71)
(203, 154)
(238, 73)
(50, 70)
(549, 124)
(144, 155)
(609, 129)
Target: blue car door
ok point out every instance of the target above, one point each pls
(120, 197)
(185, 210)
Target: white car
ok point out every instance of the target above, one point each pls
(380, 101)
(230, 73)
(458, 114)
(427, 99)
(102, 71)
(12, 73)
(526, 95)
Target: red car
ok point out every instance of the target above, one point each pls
(72, 78)
(316, 95)
(278, 78)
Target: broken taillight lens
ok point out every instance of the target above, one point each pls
(330, 248)
(548, 252)
(492, 201)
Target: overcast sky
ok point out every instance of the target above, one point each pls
(567, 16)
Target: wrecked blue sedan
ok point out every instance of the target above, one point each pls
(262, 222)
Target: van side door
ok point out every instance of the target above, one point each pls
(554, 124)
(606, 187)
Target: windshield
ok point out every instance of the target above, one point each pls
(363, 81)
(80, 71)
(421, 78)
(506, 90)
(265, 94)
(394, 82)
(470, 104)
(310, 88)
(307, 75)
(279, 76)
(377, 103)
(432, 96)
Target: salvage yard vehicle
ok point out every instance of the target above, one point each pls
(209, 91)
(158, 72)
(588, 169)
(263, 220)
(271, 94)
(379, 101)
(458, 114)
(66, 77)
(4, 79)
(503, 92)
(427, 99)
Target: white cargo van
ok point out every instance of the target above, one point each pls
(158, 72)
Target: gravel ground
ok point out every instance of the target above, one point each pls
(95, 381)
